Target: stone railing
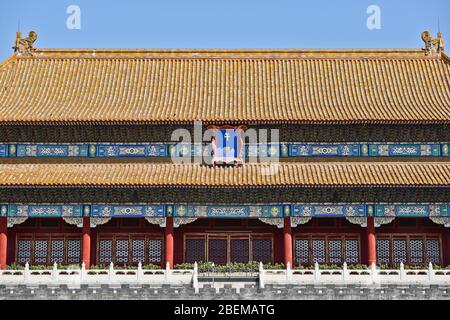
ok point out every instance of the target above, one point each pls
(288, 276)
(345, 276)
(110, 276)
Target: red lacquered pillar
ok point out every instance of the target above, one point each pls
(86, 258)
(169, 241)
(3, 242)
(371, 242)
(287, 234)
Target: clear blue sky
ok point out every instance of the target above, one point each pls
(223, 24)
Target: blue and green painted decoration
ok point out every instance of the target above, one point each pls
(224, 211)
(283, 150)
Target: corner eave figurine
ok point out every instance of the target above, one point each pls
(433, 46)
(24, 46)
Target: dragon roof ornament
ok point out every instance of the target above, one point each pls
(24, 46)
(433, 46)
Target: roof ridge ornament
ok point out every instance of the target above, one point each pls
(433, 46)
(24, 46)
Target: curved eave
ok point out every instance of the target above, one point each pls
(311, 174)
(240, 187)
(219, 122)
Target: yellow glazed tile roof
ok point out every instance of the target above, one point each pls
(148, 86)
(249, 175)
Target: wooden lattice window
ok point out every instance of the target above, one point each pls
(105, 251)
(224, 248)
(326, 249)
(154, 251)
(130, 249)
(262, 250)
(218, 250)
(409, 249)
(318, 250)
(138, 250)
(240, 249)
(47, 250)
(195, 250)
(352, 251)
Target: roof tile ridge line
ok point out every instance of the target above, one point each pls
(324, 57)
(8, 60)
(445, 58)
(228, 50)
(283, 53)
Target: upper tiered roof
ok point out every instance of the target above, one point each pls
(225, 86)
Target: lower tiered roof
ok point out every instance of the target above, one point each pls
(249, 175)
(243, 87)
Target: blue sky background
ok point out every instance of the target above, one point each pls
(223, 24)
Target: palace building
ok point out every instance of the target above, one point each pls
(359, 172)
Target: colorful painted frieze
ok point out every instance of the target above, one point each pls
(405, 150)
(413, 210)
(127, 211)
(226, 211)
(3, 150)
(325, 150)
(131, 151)
(250, 150)
(329, 210)
(44, 211)
(51, 151)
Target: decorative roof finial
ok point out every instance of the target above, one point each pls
(433, 46)
(25, 45)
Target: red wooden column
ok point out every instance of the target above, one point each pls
(287, 234)
(371, 242)
(3, 242)
(86, 258)
(169, 241)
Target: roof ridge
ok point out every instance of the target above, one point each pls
(445, 57)
(229, 49)
(254, 53)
